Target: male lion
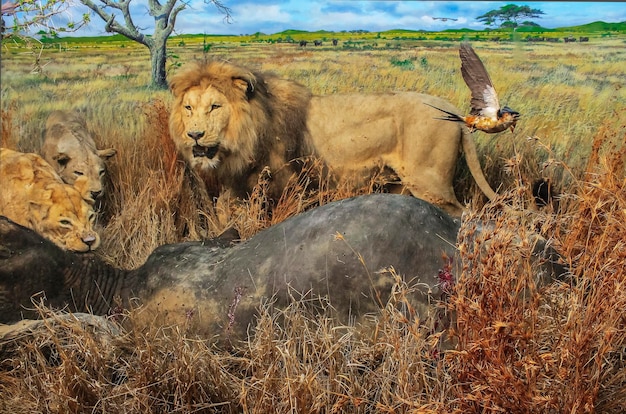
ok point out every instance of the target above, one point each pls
(71, 150)
(34, 196)
(231, 122)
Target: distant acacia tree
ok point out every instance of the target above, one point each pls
(510, 16)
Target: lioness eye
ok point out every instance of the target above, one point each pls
(215, 106)
(188, 107)
(101, 173)
(78, 172)
(65, 222)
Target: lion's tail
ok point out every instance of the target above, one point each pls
(451, 116)
(471, 157)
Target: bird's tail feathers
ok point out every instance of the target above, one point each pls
(451, 116)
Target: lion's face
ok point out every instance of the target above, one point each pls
(80, 162)
(205, 115)
(213, 122)
(64, 217)
(71, 151)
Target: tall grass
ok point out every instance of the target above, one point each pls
(523, 346)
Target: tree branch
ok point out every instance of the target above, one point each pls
(172, 22)
(130, 30)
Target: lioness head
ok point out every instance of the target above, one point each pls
(61, 214)
(71, 151)
(34, 196)
(210, 118)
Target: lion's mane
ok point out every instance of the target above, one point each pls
(266, 126)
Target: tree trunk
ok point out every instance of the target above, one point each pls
(158, 57)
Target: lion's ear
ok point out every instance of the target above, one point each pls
(245, 84)
(62, 159)
(106, 153)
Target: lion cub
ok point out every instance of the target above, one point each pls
(34, 196)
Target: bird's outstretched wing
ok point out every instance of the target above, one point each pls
(484, 97)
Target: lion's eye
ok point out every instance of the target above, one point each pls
(101, 173)
(78, 173)
(215, 106)
(65, 222)
(188, 107)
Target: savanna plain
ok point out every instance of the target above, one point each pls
(556, 348)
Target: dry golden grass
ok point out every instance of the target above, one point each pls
(522, 347)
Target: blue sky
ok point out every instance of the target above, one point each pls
(272, 16)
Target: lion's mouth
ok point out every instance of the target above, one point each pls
(201, 151)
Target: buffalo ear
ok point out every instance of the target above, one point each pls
(62, 159)
(106, 153)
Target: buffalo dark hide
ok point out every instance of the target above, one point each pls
(337, 252)
(340, 252)
(336, 256)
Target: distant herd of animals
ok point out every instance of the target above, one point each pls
(231, 124)
(304, 43)
(568, 39)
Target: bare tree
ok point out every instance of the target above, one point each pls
(164, 15)
(28, 14)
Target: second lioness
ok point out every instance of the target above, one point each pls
(232, 123)
(70, 149)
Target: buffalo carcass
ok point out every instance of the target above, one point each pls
(335, 252)
(334, 255)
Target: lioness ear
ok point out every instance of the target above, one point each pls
(106, 153)
(62, 159)
(25, 169)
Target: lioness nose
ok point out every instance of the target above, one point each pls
(89, 240)
(195, 135)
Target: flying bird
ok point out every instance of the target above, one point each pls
(486, 114)
(445, 19)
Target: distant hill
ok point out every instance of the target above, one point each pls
(595, 27)
(461, 30)
(598, 26)
(291, 32)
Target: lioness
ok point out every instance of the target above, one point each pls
(70, 149)
(231, 122)
(34, 196)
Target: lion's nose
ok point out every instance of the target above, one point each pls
(96, 194)
(195, 135)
